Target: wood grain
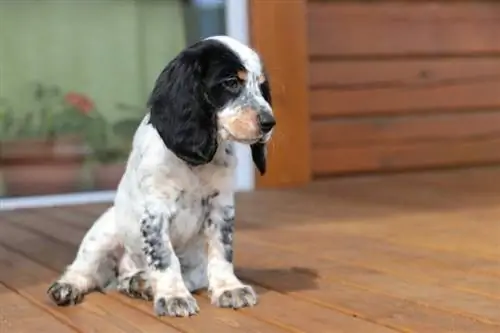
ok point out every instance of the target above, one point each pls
(284, 51)
(20, 316)
(55, 235)
(95, 313)
(415, 99)
(394, 253)
(384, 130)
(388, 28)
(352, 74)
(403, 85)
(401, 156)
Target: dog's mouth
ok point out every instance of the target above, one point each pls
(247, 141)
(226, 134)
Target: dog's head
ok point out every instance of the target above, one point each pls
(214, 90)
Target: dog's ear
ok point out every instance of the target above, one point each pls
(259, 149)
(180, 111)
(259, 155)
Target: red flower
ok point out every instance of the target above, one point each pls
(80, 102)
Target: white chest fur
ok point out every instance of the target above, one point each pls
(189, 216)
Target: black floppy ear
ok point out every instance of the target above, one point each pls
(259, 154)
(259, 149)
(179, 109)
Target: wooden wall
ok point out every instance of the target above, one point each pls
(403, 85)
(278, 31)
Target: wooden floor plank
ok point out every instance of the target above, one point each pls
(336, 286)
(348, 236)
(279, 308)
(401, 314)
(431, 232)
(17, 315)
(99, 315)
(432, 318)
(467, 304)
(55, 254)
(403, 252)
(353, 247)
(270, 311)
(31, 279)
(471, 275)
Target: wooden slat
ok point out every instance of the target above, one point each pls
(485, 235)
(414, 307)
(31, 279)
(284, 51)
(270, 311)
(347, 132)
(365, 274)
(402, 253)
(417, 99)
(271, 272)
(63, 248)
(398, 73)
(417, 318)
(20, 316)
(327, 161)
(403, 28)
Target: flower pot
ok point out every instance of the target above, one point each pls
(28, 180)
(37, 166)
(108, 176)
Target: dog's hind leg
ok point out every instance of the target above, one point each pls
(133, 278)
(94, 265)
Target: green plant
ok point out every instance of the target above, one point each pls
(126, 127)
(7, 119)
(51, 114)
(119, 135)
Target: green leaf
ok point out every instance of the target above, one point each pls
(126, 128)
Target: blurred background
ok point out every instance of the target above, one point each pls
(74, 78)
(359, 87)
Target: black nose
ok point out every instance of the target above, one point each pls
(266, 122)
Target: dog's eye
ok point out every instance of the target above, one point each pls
(232, 84)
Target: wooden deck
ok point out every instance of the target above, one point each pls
(398, 253)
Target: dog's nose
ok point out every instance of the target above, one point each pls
(266, 122)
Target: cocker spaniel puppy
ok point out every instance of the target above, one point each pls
(170, 229)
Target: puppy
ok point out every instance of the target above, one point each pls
(170, 229)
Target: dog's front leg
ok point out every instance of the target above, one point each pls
(171, 297)
(226, 289)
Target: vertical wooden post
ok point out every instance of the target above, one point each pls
(278, 31)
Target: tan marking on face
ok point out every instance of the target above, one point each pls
(243, 75)
(262, 79)
(244, 125)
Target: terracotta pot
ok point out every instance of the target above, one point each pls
(35, 167)
(107, 176)
(31, 151)
(26, 180)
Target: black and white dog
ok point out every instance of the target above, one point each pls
(170, 230)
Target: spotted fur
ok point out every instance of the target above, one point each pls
(176, 195)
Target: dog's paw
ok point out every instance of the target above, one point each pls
(239, 297)
(136, 286)
(64, 294)
(175, 306)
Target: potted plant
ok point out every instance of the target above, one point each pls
(108, 168)
(42, 150)
(110, 158)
